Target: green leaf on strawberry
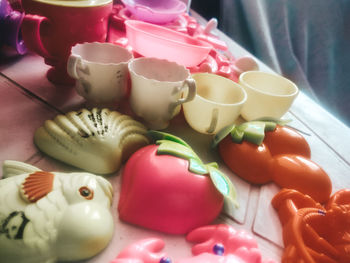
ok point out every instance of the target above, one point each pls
(196, 166)
(172, 145)
(157, 135)
(224, 185)
(214, 165)
(222, 134)
(252, 131)
(175, 149)
(281, 122)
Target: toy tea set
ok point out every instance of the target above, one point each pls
(53, 216)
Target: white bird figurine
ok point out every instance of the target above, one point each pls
(51, 216)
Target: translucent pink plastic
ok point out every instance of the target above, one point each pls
(151, 40)
(158, 12)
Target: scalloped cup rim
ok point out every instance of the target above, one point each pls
(103, 44)
(160, 60)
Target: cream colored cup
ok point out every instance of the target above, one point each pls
(218, 103)
(101, 71)
(157, 88)
(269, 95)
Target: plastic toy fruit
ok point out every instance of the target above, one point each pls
(264, 151)
(166, 187)
(217, 244)
(50, 216)
(313, 233)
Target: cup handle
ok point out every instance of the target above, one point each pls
(192, 89)
(73, 63)
(213, 121)
(31, 25)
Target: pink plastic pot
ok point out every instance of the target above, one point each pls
(151, 40)
(159, 12)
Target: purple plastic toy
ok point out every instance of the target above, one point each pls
(158, 12)
(10, 25)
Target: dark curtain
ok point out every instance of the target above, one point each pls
(307, 41)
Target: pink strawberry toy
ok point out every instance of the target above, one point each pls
(220, 244)
(166, 187)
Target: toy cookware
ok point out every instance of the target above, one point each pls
(101, 72)
(157, 89)
(158, 12)
(71, 21)
(218, 103)
(151, 40)
(217, 62)
(269, 95)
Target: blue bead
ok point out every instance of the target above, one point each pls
(165, 260)
(219, 249)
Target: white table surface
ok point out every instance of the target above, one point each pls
(27, 99)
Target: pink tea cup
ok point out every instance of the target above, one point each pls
(51, 27)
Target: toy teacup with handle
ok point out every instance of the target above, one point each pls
(101, 72)
(157, 88)
(218, 103)
(269, 95)
(51, 27)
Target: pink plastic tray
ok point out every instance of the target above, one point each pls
(156, 41)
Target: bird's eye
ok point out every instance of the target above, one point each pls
(86, 192)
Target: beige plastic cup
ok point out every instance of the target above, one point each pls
(269, 95)
(157, 89)
(101, 72)
(218, 103)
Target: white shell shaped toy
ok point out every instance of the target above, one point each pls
(50, 216)
(97, 141)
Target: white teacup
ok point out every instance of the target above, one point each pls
(101, 71)
(218, 103)
(269, 95)
(157, 88)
